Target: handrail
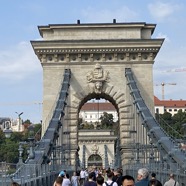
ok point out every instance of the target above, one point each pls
(45, 146)
(165, 144)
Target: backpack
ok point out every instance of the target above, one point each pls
(108, 184)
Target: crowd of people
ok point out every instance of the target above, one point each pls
(111, 177)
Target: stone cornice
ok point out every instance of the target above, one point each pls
(97, 140)
(133, 54)
(96, 50)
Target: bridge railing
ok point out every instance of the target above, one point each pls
(36, 168)
(166, 145)
(45, 146)
(162, 171)
(31, 175)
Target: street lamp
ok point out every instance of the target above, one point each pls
(7, 131)
(31, 142)
(19, 120)
(19, 114)
(20, 149)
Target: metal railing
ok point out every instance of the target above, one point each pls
(166, 145)
(43, 166)
(162, 171)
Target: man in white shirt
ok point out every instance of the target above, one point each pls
(66, 181)
(82, 177)
(171, 181)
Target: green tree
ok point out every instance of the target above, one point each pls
(2, 137)
(107, 120)
(178, 120)
(11, 151)
(172, 124)
(27, 121)
(167, 117)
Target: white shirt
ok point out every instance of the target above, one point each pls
(66, 182)
(109, 182)
(171, 182)
(82, 174)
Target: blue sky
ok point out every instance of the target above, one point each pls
(21, 72)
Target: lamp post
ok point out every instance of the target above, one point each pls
(19, 120)
(7, 131)
(31, 142)
(20, 149)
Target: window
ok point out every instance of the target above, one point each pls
(157, 110)
(170, 110)
(175, 109)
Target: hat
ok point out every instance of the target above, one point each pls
(62, 173)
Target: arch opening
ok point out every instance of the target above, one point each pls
(95, 160)
(98, 130)
(96, 109)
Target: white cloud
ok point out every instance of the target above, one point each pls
(18, 62)
(123, 14)
(170, 67)
(160, 10)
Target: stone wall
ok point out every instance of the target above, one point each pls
(97, 55)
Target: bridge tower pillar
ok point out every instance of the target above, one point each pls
(97, 55)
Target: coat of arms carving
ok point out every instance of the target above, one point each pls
(97, 77)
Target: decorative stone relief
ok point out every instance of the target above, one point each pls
(95, 149)
(96, 78)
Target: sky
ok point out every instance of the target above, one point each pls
(21, 71)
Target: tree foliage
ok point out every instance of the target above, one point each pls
(107, 120)
(173, 125)
(9, 147)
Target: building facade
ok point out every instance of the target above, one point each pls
(171, 106)
(97, 148)
(92, 111)
(14, 125)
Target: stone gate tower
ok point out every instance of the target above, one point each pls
(97, 55)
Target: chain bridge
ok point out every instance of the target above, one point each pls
(113, 61)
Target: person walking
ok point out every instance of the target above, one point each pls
(75, 179)
(128, 180)
(142, 177)
(99, 180)
(117, 177)
(58, 181)
(90, 181)
(171, 181)
(66, 180)
(154, 181)
(109, 181)
(82, 177)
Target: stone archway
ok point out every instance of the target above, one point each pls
(95, 160)
(116, 97)
(97, 55)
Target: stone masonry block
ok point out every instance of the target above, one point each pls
(108, 89)
(124, 122)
